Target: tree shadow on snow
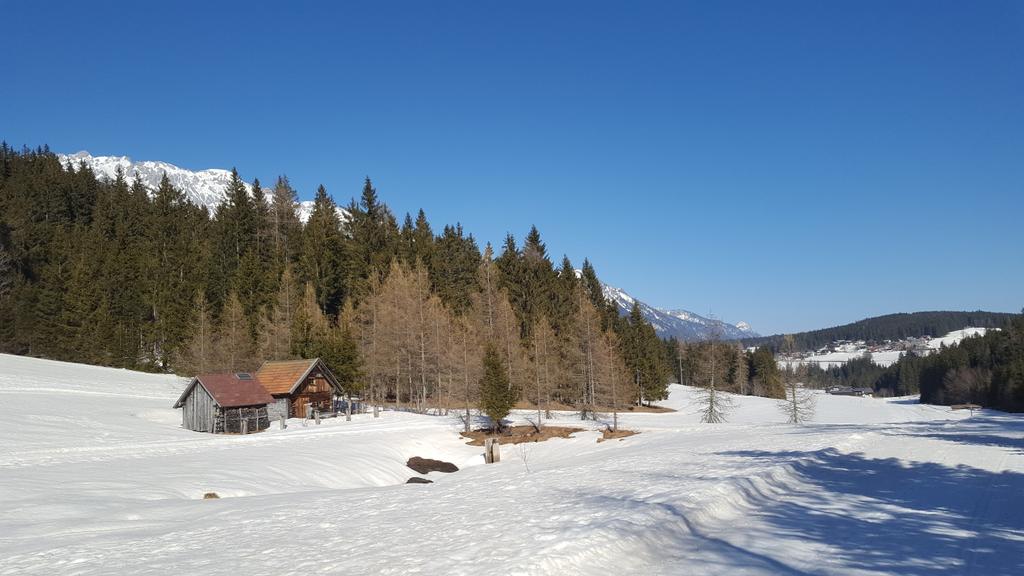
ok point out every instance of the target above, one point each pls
(895, 516)
(706, 553)
(999, 431)
(999, 441)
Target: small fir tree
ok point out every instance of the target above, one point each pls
(496, 395)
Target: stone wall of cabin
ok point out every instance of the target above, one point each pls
(278, 408)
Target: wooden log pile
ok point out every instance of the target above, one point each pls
(242, 420)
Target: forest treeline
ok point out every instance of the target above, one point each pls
(986, 370)
(112, 273)
(888, 327)
(728, 367)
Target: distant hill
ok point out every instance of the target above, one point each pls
(889, 327)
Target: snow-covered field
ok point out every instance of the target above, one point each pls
(97, 477)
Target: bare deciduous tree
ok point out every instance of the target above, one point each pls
(542, 361)
(799, 403)
(714, 405)
(611, 374)
(197, 355)
(275, 335)
(966, 385)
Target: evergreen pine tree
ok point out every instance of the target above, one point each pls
(422, 240)
(285, 228)
(235, 235)
(453, 268)
(767, 379)
(173, 270)
(322, 262)
(373, 241)
(337, 347)
(496, 394)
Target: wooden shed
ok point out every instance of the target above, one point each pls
(220, 403)
(298, 386)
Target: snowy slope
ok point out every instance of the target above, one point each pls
(97, 478)
(955, 337)
(203, 188)
(884, 357)
(682, 324)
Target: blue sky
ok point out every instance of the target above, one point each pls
(792, 164)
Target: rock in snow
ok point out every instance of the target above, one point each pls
(426, 465)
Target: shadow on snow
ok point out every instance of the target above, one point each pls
(895, 516)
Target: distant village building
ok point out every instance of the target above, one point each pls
(920, 347)
(851, 391)
(298, 387)
(220, 403)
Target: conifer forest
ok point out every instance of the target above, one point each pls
(112, 273)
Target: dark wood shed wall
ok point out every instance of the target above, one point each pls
(199, 410)
(315, 392)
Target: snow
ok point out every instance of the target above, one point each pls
(846, 351)
(955, 337)
(203, 188)
(97, 477)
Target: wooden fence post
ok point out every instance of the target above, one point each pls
(492, 452)
(283, 424)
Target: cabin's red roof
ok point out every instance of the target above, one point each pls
(230, 391)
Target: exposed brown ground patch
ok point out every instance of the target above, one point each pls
(559, 407)
(607, 434)
(519, 434)
(433, 406)
(652, 408)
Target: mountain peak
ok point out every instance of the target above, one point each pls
(678, 323)
(203, 187)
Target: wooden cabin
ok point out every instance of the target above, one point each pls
(220, 403)
(298, 386)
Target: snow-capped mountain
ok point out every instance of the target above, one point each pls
(202, 188)
(682, 324)
(209, 188)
